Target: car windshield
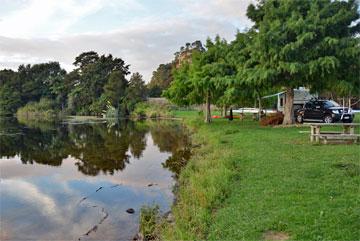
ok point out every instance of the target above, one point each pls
(330, 104)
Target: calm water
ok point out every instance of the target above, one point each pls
(68, 181)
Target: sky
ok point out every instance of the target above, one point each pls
(144, 33)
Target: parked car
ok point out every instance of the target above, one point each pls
(327, 111)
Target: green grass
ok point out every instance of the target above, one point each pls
(149, 216)
(357, 118)
(245, 180)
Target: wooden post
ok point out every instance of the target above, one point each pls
(352, 130)
(349, 129)
(312, 133)
(317, 132)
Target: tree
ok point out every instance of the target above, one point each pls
(210, 73)
(160, 79)
(37, 80)
(299, 43)
(204, 79)
(238, 91)
(86, 58)
(10, 92)
(94, 74)
(115, 88)
(180, 88)
(136, 91)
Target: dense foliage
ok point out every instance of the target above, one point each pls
(292, 44)
(30, 84)
(95, 85)
(304, 43)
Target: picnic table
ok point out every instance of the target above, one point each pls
(347, 133)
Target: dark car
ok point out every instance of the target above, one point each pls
(327, 111)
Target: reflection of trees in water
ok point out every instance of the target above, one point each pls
(97, 147)
(32, 143)
(172, 137)
(100, 149)
(178, 160)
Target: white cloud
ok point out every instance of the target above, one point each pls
(35, 33)
(51, 18)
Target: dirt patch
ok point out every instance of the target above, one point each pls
(274, 236)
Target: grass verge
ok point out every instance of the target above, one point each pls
(247, 181)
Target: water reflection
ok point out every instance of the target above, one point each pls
(73, 177)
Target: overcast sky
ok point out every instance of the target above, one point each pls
(144, 33)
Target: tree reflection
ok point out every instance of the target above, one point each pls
(97, 148)
(172, 137)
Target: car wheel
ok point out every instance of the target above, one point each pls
(299, 119)
(328, 119)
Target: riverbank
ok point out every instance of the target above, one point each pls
(247, 182)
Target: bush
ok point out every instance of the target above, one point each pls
(140, 110)
(151, 110)
(272, 119)
(44, 109)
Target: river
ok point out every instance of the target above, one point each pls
(76, 180)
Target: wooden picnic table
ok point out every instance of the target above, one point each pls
(348, 131)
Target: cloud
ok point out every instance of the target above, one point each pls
(52, 18)
(144, 42)
(217, 8)
(33, 196)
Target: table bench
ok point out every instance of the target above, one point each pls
(347, 134)
(327, 138)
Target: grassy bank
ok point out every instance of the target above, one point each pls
(247, 182)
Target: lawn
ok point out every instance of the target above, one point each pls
(244, 181)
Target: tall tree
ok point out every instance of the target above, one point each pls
(204, 79)
(115, 88)
(180, 89)
(303, 43)
(94, 72)
(136, 91)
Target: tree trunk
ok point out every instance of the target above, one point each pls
(225, 110)
(207, 109)
(289, 107)
(349, 101)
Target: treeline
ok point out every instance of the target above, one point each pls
(292, 43)
(98, 85)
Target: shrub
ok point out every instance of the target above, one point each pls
(151, 110)
(44, 109)
(140, 110)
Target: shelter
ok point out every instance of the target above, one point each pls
(301, 96)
